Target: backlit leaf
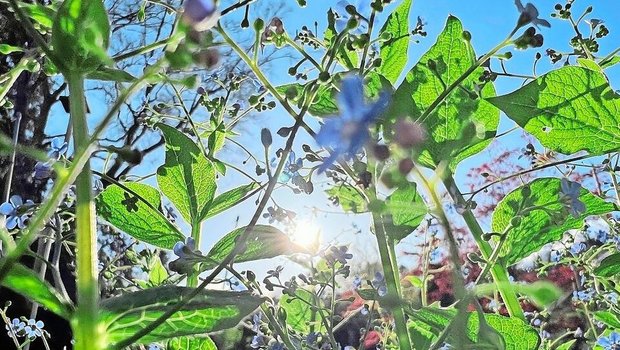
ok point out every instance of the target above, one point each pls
(393, 52)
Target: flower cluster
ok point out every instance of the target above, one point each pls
(17, 212)
(30, 329)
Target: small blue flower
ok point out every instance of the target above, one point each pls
(346, 134)
(379, 284)
(342, 15)
(42, 170)
(16, 212)
(200, 14)
(338, 254)
(611, 342)
(277, 346)
(34, 329)
(436, 256)
(493, 305)
(555, 256)
(570, 194)
(187, 254)
(291, 168)
(256, 321)
(583, 295)
(59, 148)
(529, 14)
(16, 327)
(312, 338)
(184, 249)
(357, 282)
(258, 341)
(577, 248)
(612, 298)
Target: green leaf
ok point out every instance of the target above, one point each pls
(393, 52)
(299, 312)
(80, 36)
(517, 335)
(568, 110)
(24, 281)
(537, 226)
(608, 318)
(590, 64)
(348, 198)
(368, 294)
(6, 49)
(541, 293)
(228, 200)
(158, 273)
(187, 177)
(42, 15)
(111, 74)
(610, 62)
(137, 213)
(209, 311)
(610, 266)
(567, 346)
(264, 242)
(460, 126)
(406, 206)
(191, 343)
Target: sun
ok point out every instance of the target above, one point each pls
(306, 234)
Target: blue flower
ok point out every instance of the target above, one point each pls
(612, 298)
(529, 14)
(612, 342)
(256, 321)
(59, 148)
(200, 14)
(347, 133)
(578, 247)
(15, 211)
(16, 327)
(187, 254)
(312, 338)
(342, 15)
(357, 282)
(42, 170)
(379, 284)
(338, 254)
(291, 168)
(277, 346)
(583, 295)
(257, 341)
(34, 329)
(570, 195)
(436, 256)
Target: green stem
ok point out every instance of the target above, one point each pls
(393, 284)
(493, 259)
(85, 326)
(500, 275)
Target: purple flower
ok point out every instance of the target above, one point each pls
(256, 321)
(529, 14)
(347, 133)
(42, 170)
(611, 342)
(200, 14)
(257, 341)
(16, 212)
(570, 192)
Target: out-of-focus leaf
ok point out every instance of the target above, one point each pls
(111, 74)
(24, 281)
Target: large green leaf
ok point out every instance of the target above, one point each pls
(538, 227)
(264, 242)
(80, 35)
(209, 311)
(228, 200)
(348, 198)
(24, 281)
(610, 266)
(427, 323)
(461, 125)
(137, 213)
(187, 177)
(191, 343)
(568, 110)
(393, 52)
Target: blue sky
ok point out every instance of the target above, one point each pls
(487, 21)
